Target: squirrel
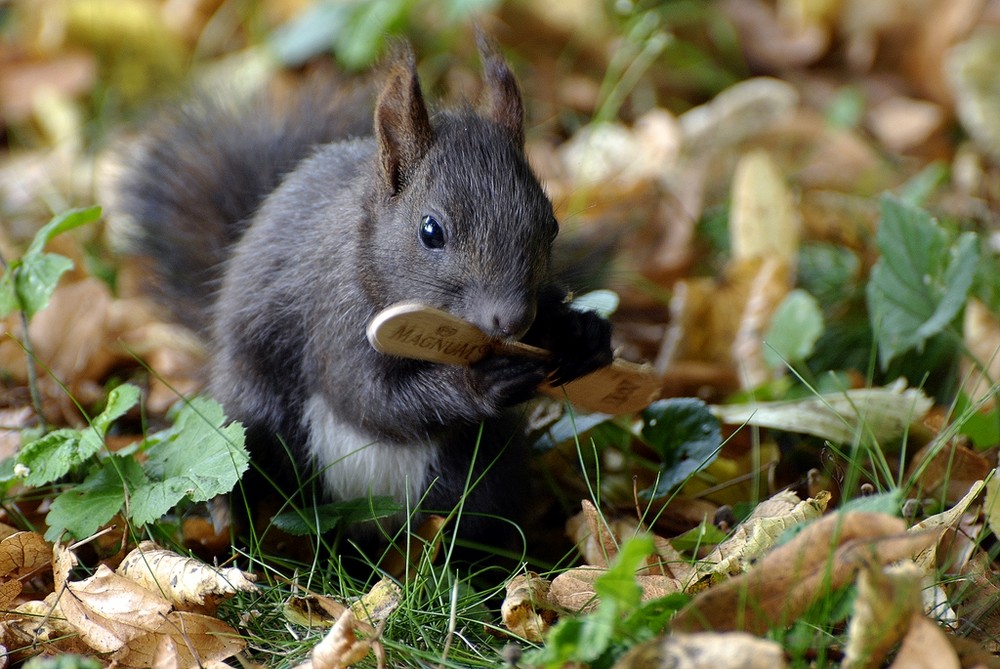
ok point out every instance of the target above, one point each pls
(279, 230)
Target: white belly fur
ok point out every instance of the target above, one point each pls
(355, 465)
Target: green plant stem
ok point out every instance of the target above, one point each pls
(29, 352)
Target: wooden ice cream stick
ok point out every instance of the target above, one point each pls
(412, 330)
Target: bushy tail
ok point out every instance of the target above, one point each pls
(184, 192)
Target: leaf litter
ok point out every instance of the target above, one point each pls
(745, 196)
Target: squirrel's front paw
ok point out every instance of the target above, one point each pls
(505, 380)
(582, 343)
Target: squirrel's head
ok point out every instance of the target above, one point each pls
(460, 219)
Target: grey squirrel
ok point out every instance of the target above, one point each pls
(280, 229)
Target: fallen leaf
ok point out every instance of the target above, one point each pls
(758, 533)
(340, 647)
(902, 123)
(742, 110)
(824, 556)
(886, 603)
(307, 612)
(185, 582)
(573, 590)
(763, 220)
(881, 413)
(927, 559)
(376, 605)
(526, 609)
(197, 639)
(23, 553)
(974, 597)
(39, 624)
(705, 650)
(109, 610)
(596, 538)
(946, 472)
(925, 646)
(12, 421)
(981, 336)
(971, 70)
(424, 544)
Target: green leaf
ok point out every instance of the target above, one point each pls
(605, 302)
(51, 456)
(325, 517)
(795, 327)
(920, 283)
(706, 534)
(87, 507)
(198, 457)
(36, 274)
(588, 638)
(59, 224)
(8, 293)
(687, 437)
(120, 400)
(981, 427)
(884, 502)
(570, 426)
(36, 280)
(618, 584)
(828, 272)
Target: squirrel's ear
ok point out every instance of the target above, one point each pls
(501, 99)
(402, 128)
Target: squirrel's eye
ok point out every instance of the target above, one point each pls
(431, 233)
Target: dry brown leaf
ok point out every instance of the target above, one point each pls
(981, 335)
(925, 646)
(743, 110)
(939, 523)
(902, 123)
(974, 597)
(763, 219)
(611, 156)
(376, 605)
(12, 421)
(340, 647)
(197, 639)
(784, 583)
(950, 470)
(109, 610)
(769, 287)
(313, 611)
(185, 582)
(35, 625)
(165, 656)
(526, 609)
(886, 603)
(573, 589)
(596, 538)
(758, 533)
(971, 73)
(991, 507)
(881, 413)
(9, 591)
(706, 650)
(426, 540)
(23, 553)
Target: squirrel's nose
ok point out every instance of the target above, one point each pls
(509, 321)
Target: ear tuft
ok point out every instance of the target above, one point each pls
(501, 99)
(402, 127)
